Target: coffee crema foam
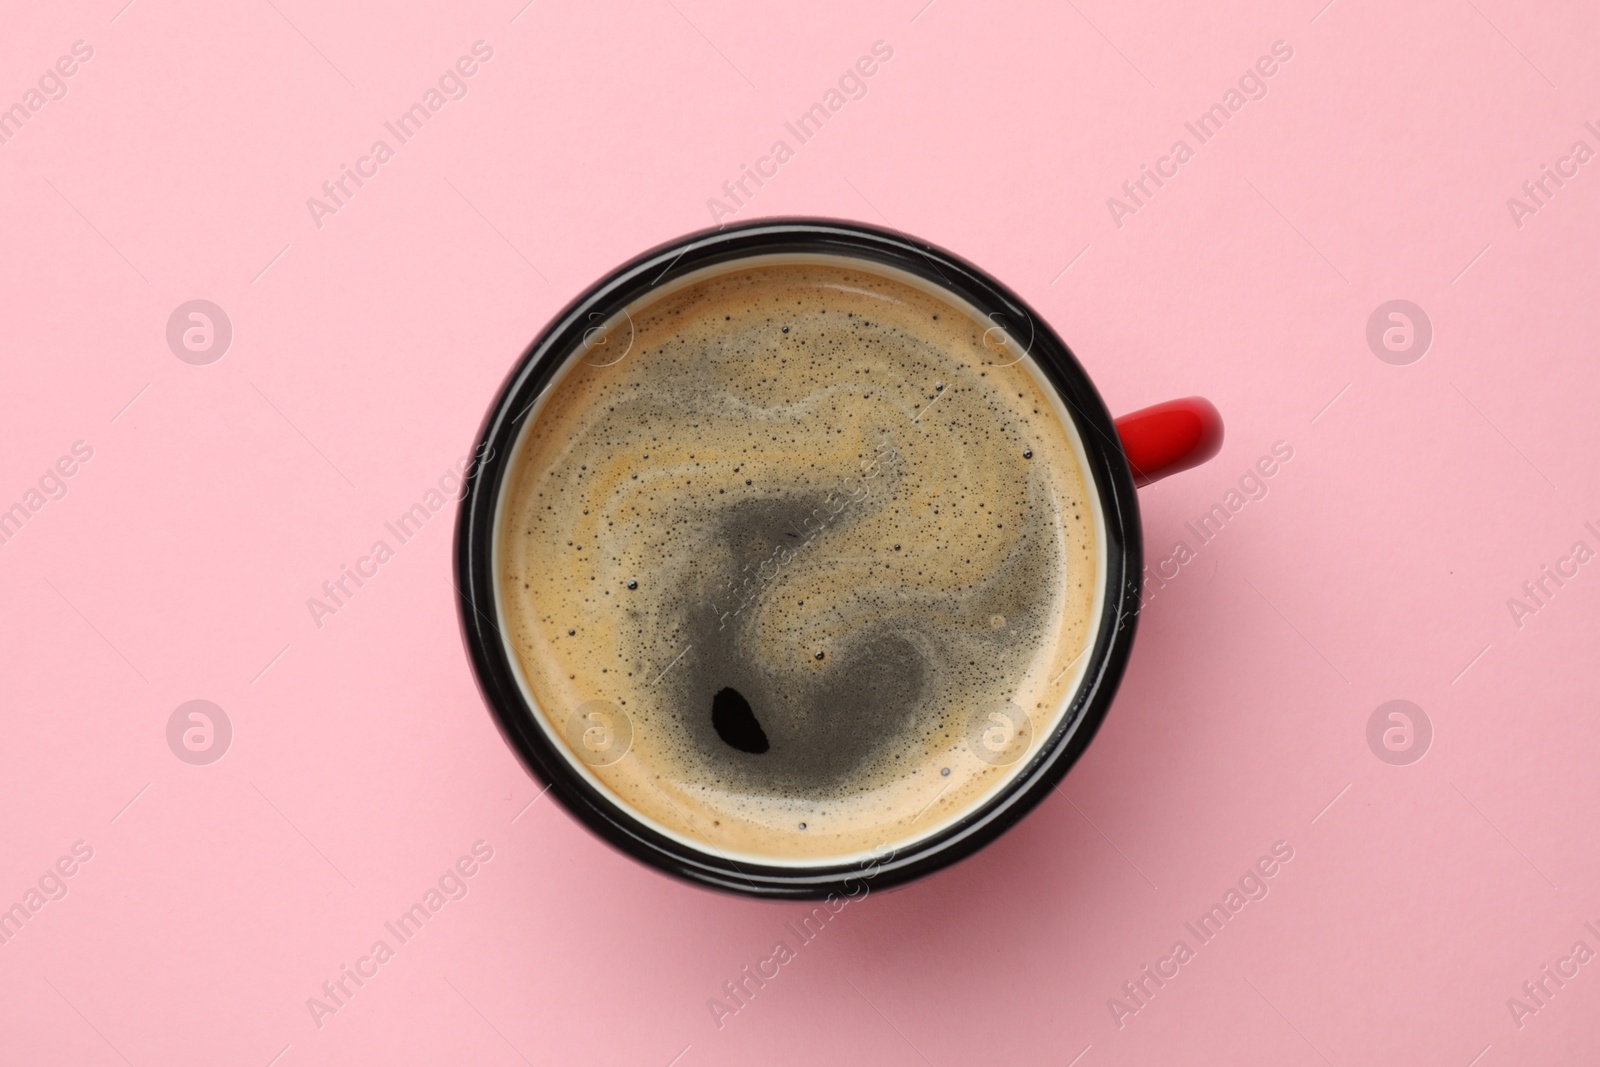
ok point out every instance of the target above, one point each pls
(800, 523)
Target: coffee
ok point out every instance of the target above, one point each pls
(788, 553)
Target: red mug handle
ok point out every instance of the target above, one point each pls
(1170, 437)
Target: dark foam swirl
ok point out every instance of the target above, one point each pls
(798, 522)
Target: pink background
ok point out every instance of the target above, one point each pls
(220, 497)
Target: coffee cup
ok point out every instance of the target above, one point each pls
(804, 558)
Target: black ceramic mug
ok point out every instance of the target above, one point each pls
(1117, 456)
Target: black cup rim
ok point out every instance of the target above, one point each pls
(498, 678)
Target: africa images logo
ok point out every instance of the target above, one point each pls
(1138, 992)
(852, 85)
(453, 885)
(51, 86)
(451, 85)
(1252, 85)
